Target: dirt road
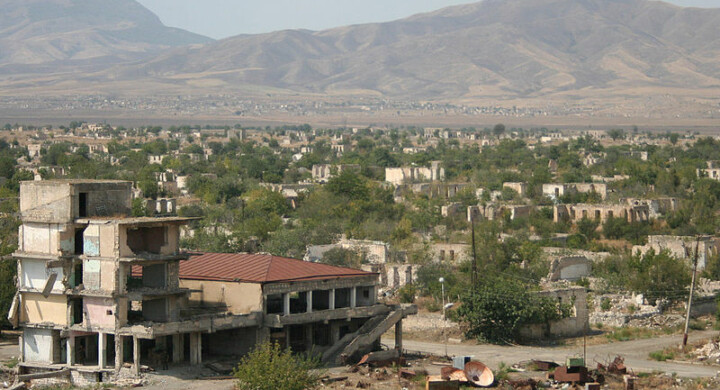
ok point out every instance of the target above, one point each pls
(635, 353)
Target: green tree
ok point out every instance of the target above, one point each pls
(502, 306)
(269, 367)
(499, 129)
(349, 184)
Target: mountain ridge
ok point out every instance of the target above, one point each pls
(36, 32)
(493, 49)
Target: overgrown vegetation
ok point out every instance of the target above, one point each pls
(269, 367)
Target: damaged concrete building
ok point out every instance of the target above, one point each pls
(302, 305)
(100, 293)
(601, 212)
(682, 247)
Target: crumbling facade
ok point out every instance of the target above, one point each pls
(78, 304)
(558, 190)
(576, 324)
(682, 247)
(405, 175)
(601, 212)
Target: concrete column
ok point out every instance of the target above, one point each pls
(21, 343)
(102, 350)
(136, 355)
(373, 295)
(195, 348)
(353, 297)
(119, 352)
(331, 304)
(308, 300)
(178, 348)
(286, 304)
(334, 332)
(262, 334)
(398, 336)
(70, 349)
(308, 337)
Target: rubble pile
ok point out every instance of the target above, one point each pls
(709, 352)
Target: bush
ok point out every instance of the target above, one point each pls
(269, 367)
(663, 355)
(501, 307)
(605, 304)
(407, 293)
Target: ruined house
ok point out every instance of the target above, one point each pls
(558, 190)
(321, 173)
(575, 325)
(99, 291)
(373, 252)
(404, 175)
(520, 188)
(712, 171)
(601, 212)
(682, 247)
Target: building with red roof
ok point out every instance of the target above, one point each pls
(303, 305)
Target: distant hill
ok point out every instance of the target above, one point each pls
(82, 32)
(509, 48)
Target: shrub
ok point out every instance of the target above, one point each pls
(501, 307)
(662, 356)
(605, 304)
(407, 293)
(269, 367)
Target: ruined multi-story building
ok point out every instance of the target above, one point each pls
(101, 292)
(78, 304)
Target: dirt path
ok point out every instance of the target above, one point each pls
(635, 353)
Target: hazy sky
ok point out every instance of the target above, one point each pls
(224, 18)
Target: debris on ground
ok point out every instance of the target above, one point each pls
(710, 352)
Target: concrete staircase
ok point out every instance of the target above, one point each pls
(362, 341)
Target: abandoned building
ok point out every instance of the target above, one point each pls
(712, 171)
(520, 188)
(575, 325)
(321, 173)
(373, 252)
(99, 292)
(558, 190)
(435, 190)
(404, 175)
(682, 247)
(601, 212)
(302, 305)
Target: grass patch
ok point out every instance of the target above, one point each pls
(12, 362)
(662, 355)
(627, 333)
(502, 372)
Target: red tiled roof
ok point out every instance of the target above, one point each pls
(259, 268)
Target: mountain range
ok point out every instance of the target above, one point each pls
(504, 49)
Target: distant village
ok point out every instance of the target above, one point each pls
(154, 245)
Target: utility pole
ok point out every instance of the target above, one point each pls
(692, 291)
(474, 254)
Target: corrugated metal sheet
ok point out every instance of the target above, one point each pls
(259, 268)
